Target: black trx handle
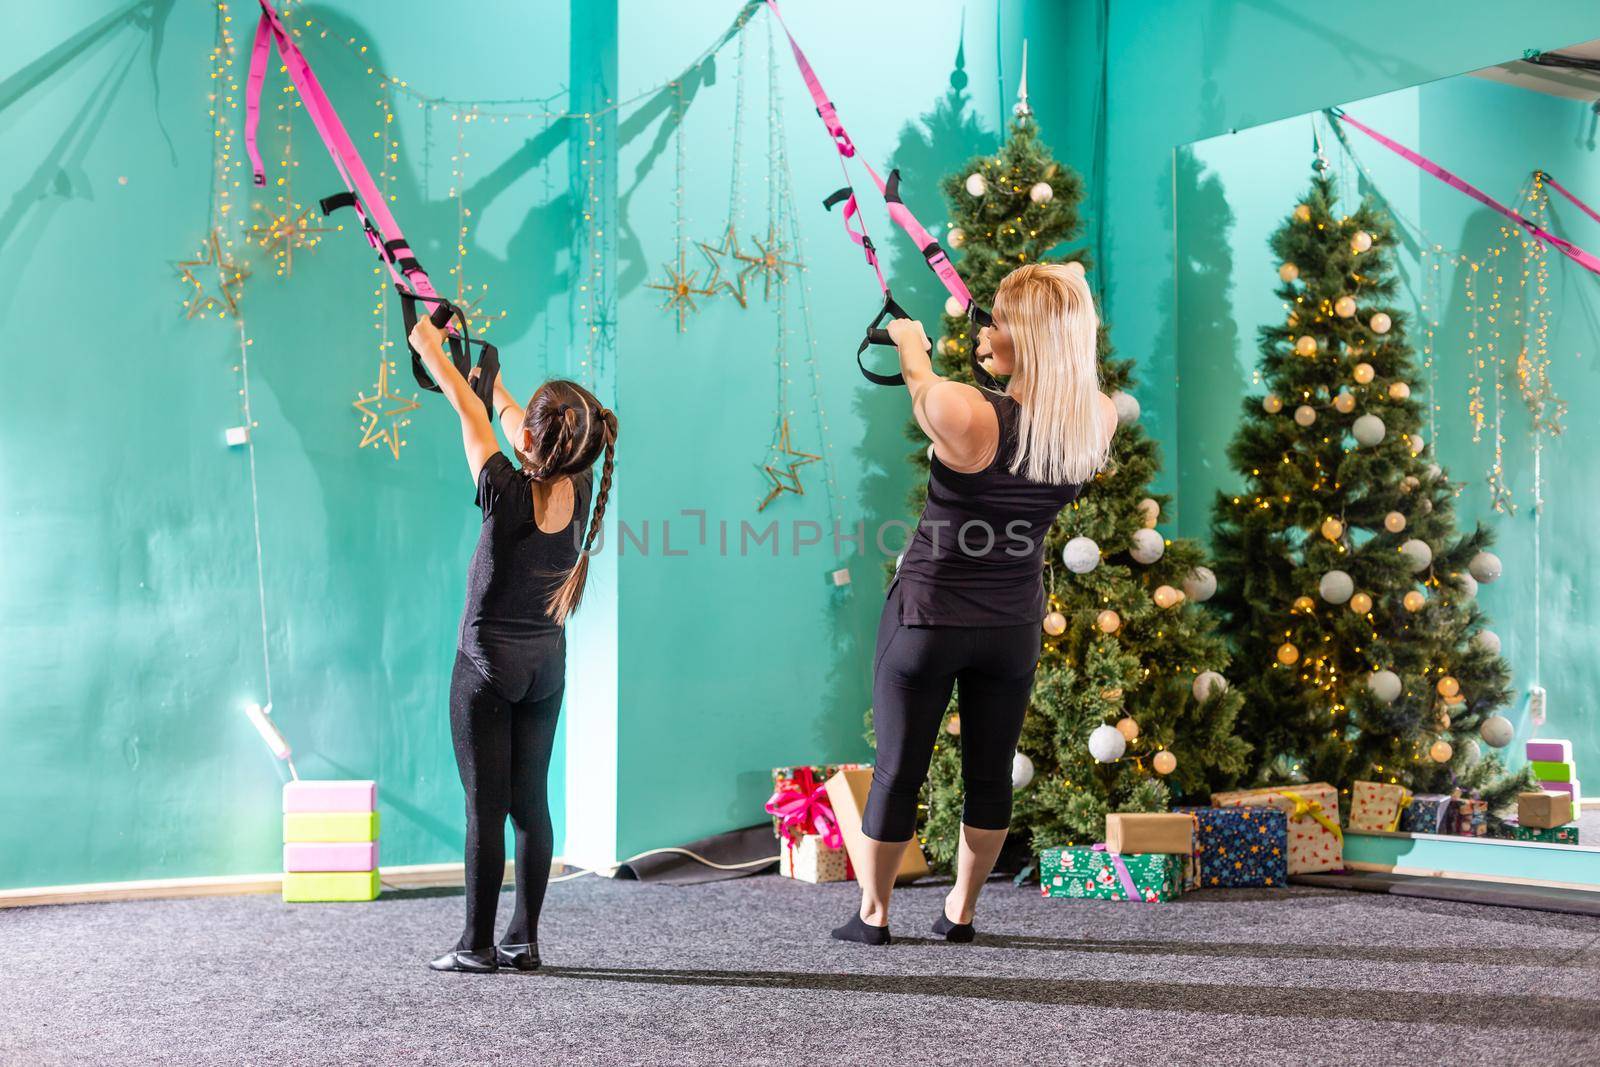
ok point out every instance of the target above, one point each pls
(877, 335)
(461, 344)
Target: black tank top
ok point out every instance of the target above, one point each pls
(977, 556)
(505, 629)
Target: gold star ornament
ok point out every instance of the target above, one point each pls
(680, 290)
(716, 255)
(784, 477)
(768, 262)
(381, 420)
(230, 280)
(282, 235)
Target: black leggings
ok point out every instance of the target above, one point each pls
(916, 669)
(503, 751)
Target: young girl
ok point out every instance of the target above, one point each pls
(526, 577)
(966, 607)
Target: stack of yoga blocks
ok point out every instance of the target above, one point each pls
(330, 841)
(1552, 765)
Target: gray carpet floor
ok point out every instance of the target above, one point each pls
(743, 972)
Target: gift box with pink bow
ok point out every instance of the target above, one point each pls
(808, 830)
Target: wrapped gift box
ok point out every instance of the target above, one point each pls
(1469, 817)
(1377, 805)
(1550, 835)
(1544, 809)
(806, 779)
(1428, 813)
(1085, 872)
(1238, 847)
(847, 791)
(1315, 841)
(1156, 832)
(1551, 749)
(811, 860)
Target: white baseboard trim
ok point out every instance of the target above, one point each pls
(411, 876)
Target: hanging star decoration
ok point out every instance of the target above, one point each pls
(785, 478)
(283, 235)
(380, 413)
(680, 290)
(715, 257)
(768, 262)
(230, 279)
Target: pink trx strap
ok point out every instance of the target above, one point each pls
(363, 196)
(1566, 248)
(1549, 179)
(931, 250)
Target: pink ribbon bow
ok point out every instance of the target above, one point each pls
(1122, 874)
(804, 808)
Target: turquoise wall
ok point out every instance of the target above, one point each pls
(1233, 191)
(128, 580)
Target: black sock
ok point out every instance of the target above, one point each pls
(960, 933)
(857, 930)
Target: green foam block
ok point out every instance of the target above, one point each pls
(306, 887)
(1546, 771)
(330, 826)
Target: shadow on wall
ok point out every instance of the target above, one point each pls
(938, 142)
(1200, 327)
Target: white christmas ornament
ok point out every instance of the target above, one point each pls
(1467, 584)
(1127, 407)
(1380, 323)
(1200, 584)
(1417, 442)
(1434, 470)
(1418, 554)
(1021, 771)
(1345, 307)
(1361, 241)
(1081, 555)
(954, 308)
(1385, 685)
(1368, 430)
(976, 185)
(1487, 641)
(1497, 731)
(957, 237)
(1106, 744)
(1336, 587)
(1305, 415)
(1485, 566)
(1147, 546)
(1041, 193)
(1208, 684)
(1470, 752)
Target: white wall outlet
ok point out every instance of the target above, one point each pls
(237, 435)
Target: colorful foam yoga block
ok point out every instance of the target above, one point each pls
(306, 887)
(1548, 771)
(1573, 789)
(330, 826)
(1554, 751)
(330, 856)
(355, 795)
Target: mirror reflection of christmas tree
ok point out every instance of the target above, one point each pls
(1130, 710)
(1348, 593)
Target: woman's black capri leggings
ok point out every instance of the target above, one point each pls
(917, 667)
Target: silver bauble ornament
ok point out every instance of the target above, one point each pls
(1200, 584)
(1336, 587)
(1147, 546)
(1368, 430)
(1497, 731)
(977, 185)
(1041, 193)
(1485, 566)
(957, 237)
(1418, 554)
(1106, 744)
(1081, 555)
(1385, 685)
(1208, 684)
(1127, 407)
(1487, 641)
(1021, 771)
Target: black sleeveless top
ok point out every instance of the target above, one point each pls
(977, 556)
(505, 629)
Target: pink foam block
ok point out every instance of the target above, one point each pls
(1551, 751)
(1570, 788)
(330, 796)
(331, 856)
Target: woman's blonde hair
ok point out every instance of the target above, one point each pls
(1050, 315)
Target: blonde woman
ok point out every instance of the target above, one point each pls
(965, 610)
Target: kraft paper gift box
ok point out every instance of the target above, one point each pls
(1084, 872)
(1150, 832)
(1469, 817)
(1428, 813)
(1549, 835)
(1315, 841)
(1239, 847)
(1544, 810)
(1377, 805)
(1552, 750)
(810, 860)
(847, 790)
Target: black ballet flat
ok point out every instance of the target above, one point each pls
(956, 933)
(481, 961)
(518, 957)
(861, 932)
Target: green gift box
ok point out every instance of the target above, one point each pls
(1555, 835)
(1087, 873)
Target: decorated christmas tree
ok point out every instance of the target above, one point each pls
(1130, 663)
(1349, 594)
